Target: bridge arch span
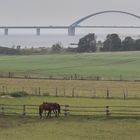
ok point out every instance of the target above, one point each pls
(71, 30)
(103, 12)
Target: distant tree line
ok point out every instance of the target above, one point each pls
(6, 50)
(114, 43)
(111, 43)
(18, 50)
(87, 43)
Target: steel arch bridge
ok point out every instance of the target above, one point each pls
(71, 29)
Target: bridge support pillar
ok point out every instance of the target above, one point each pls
(5, 31)
(71, 31)
(37, 31)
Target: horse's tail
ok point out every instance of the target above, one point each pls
(40, 111)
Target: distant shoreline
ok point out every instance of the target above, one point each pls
(47, 40)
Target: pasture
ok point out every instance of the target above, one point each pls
(76, 128)
(72, 88)
(110, 66)
(70, 127)
(77, 125)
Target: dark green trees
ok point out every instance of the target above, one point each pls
(56, 48)
(137, 44)
(128, 44)
(112, 43)
(87, 44)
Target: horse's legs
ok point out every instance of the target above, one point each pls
(58, 113)
(55, 112)
(49, 113)
(40, 116)
(45, 113)
(40, 112)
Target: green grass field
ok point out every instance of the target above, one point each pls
(76, 88)
(108, 65)
(70, 127)
(69, 101)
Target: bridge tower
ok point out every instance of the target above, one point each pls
(71, 31)
(37, 31)
(6, 31)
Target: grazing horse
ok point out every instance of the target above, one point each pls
(55, 107)
(45, 107)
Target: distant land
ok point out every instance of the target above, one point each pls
(47, 40)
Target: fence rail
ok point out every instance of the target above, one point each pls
(67, 77)
(107, 93)
(32, 110)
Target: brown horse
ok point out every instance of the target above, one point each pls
(55, 107)
(45, 107)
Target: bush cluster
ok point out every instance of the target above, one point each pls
(19, 94)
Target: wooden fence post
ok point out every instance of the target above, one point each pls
(125, 93)
(56, 92)
(64, 92)
(66, 110)
(24, 110)
(124, 96)
(39, 91)
(107, 111)
(2, 110)
(107, 94)
(73, 92)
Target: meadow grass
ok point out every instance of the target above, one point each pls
(83, 88)
(81, 102)
(70, 127)
(33, 100)
(108, 65)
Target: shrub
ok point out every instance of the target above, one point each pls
(46, 94)
(19, 94)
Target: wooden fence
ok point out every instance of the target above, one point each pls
(32, 110)
(107, 93)
(26, 110)
(67, 77)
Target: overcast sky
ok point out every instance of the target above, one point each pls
(65, 12)
(59, 12)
